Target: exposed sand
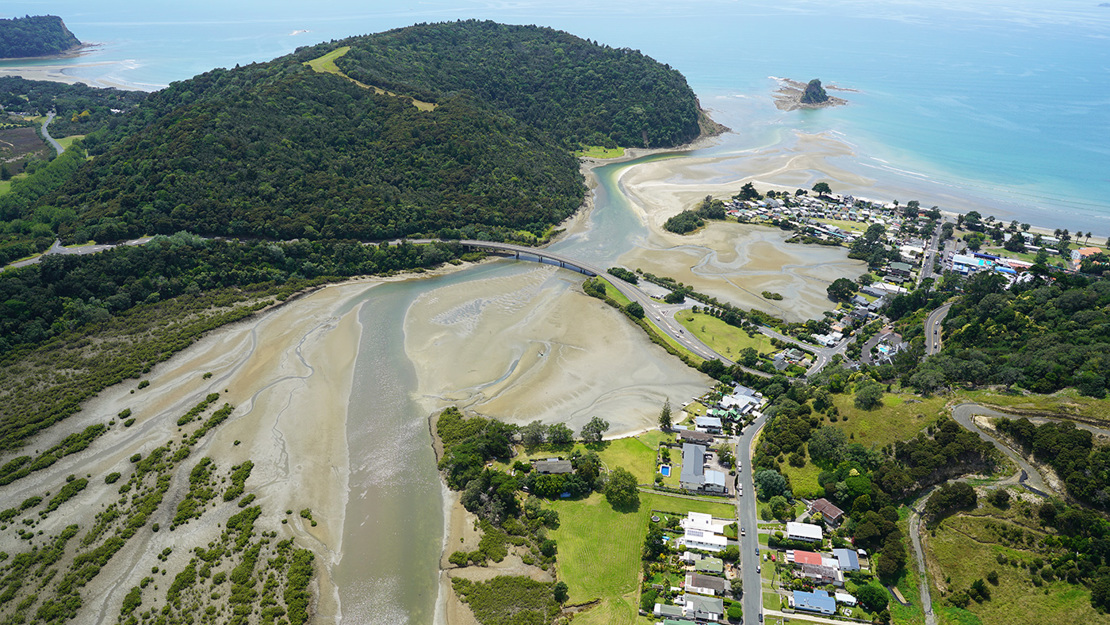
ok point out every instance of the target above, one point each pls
(737, 262)
(531, 346)
(57, 73)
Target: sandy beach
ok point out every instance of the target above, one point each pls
(737, 262)
(57, 72)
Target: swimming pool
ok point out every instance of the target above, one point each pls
(665, 470)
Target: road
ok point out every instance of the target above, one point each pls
(746, 518)
(821, 355)
(919, 555)
(933, 329)
(930, 254)
(46, 135)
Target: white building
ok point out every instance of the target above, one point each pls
(803, 531)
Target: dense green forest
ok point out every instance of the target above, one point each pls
(278, 150)
(1042, 336)
(576, 90)
(41, 35)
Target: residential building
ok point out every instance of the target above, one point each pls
(817, 601)
(845, 598)
(711, 566)
(821, 574)
(1084, 252)
(799, 557)
(847, 560)
(698, 438)
(708, 424)
(668, 611)
(703, 608)
(706, 584)
(703, 522)
(829, 512)
(695, 476)
(706, 541)
(803, 531)
(553, 466)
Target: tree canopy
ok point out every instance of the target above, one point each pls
(38, 35)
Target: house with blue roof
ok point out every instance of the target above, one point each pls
(818, 601)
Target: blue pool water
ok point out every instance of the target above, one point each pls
(665, 470)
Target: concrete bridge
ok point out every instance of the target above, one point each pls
(532, 253)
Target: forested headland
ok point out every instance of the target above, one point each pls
(40, 35)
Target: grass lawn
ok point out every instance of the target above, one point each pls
(901, 418)
(720, 337)
(695, 409)
(599, 551)
(635, 453)
(65, 142)
(965, 549)
(844, 224)
(597, 151)
(5, 186)
(1065, 402)
(803, 481)
(615, 293)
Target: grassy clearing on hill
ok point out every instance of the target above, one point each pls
(901, 418)
(720, 337)
(966, 550)
(326, 65)
(803, 481)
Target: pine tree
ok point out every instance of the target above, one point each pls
(665, 417)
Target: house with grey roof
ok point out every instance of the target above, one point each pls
(705, 584)
(694, 475)
(553, 466)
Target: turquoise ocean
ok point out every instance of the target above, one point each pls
(1003, 103)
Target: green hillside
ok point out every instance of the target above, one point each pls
(577, 90)
(281, 150)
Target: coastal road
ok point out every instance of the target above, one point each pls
(930, 254)
(746, 518)
(933, 328)
(58, 149)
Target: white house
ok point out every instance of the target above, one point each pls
(706, 541)
(803, 531)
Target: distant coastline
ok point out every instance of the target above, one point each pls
(74, 52)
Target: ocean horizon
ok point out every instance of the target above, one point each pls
(1000, 106)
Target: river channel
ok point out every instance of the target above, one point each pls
(514, 340)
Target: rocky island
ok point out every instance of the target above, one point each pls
(793, 95)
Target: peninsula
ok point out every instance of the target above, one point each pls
(35, 36)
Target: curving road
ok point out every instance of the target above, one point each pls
(58, 149)
(933, 327)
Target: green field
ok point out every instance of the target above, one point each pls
(803, 481)
(5, 186)
(721, 337)
(844, 224)
(599, 551)
(965, 549)
(901, 418)
(597, 151)
(65, 142)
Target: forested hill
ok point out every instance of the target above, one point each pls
(577, 90)
(41, 35)
(280, 150)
